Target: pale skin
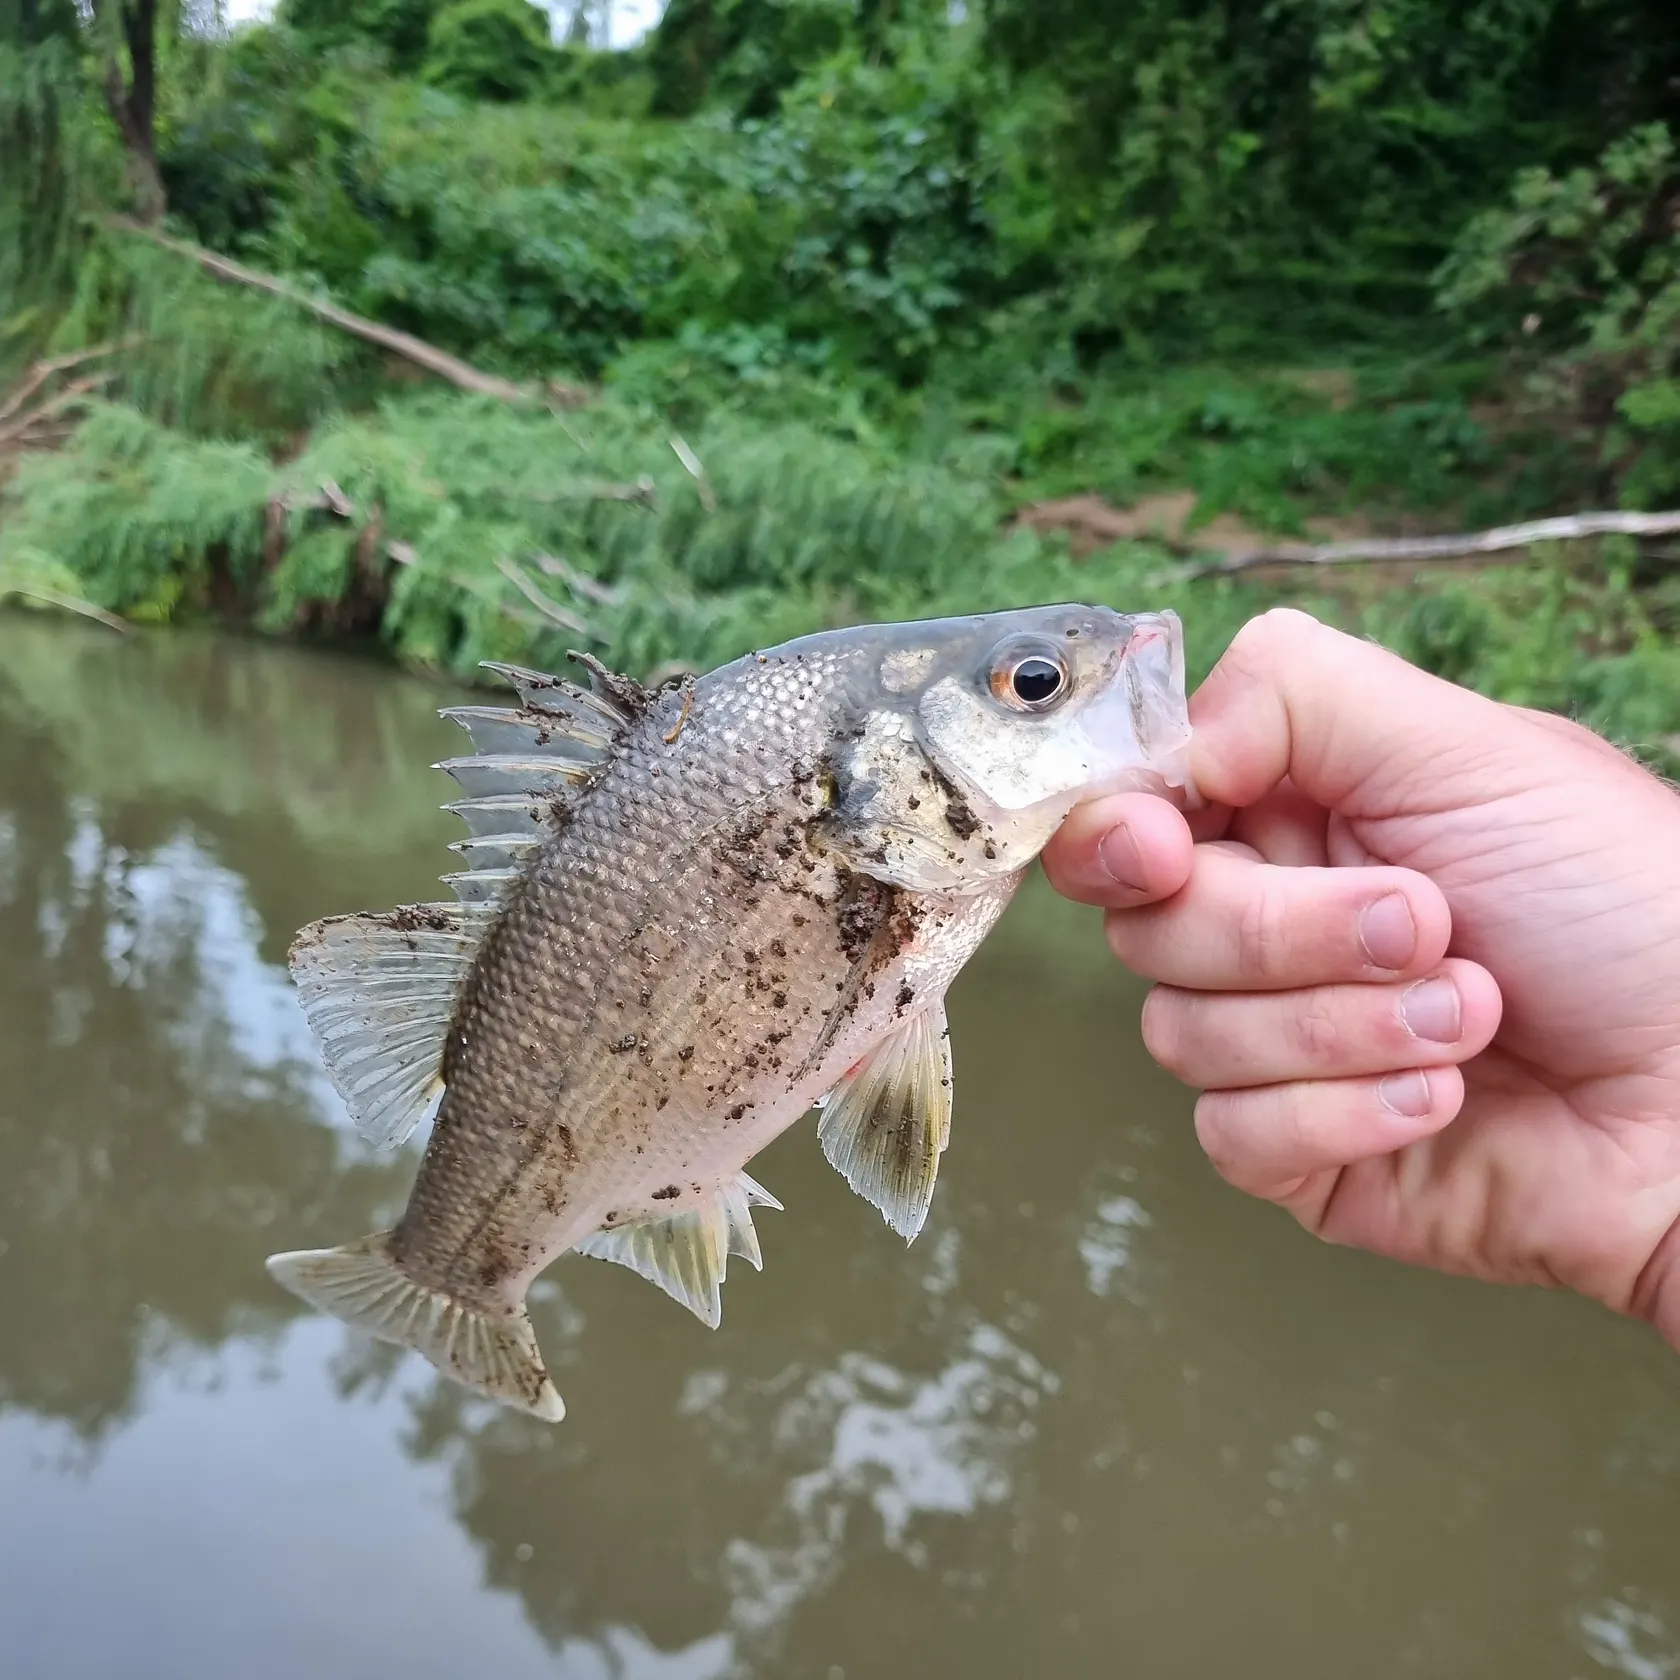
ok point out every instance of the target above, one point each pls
(1421, 956)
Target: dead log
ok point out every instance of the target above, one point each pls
(1565, 528)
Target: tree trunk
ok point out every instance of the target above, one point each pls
(132, 100)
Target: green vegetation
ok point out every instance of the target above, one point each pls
(854, 283)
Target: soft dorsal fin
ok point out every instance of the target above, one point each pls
(526, 762)
(379, 991)
(885, 1125)
(687, 1252)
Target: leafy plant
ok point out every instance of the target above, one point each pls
(1585, 266)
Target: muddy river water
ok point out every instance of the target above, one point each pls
(1104, 1418)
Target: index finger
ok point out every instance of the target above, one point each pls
(1124, 850)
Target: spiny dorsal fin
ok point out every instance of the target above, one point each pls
(527, 761)
(379, 991)
(556, 694)
(687, 1252)
(624, 694)
(885, 1125)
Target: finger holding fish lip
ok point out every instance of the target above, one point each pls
(1125, 849)
(1223, 1041)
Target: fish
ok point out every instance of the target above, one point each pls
(688, 917)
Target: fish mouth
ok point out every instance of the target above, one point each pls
(1141, 722)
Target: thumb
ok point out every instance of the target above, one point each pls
(1354, 727)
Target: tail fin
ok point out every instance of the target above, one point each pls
(361, 1284)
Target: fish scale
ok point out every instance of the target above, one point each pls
(498, 1195)
(731, 899)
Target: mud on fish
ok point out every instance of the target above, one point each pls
(688, 917)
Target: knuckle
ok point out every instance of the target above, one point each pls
(1295, 1122)
(1318, 1035)
(1256, 644)
(1213, 1132)
(1263, 934)
(1119, 929)
(1163, 1031)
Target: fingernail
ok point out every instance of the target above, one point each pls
(1430, 1010)
(1387, 931)
(1406, 1094)
(1118, 853)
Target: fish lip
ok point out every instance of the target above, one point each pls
(1160, 708)
(1143, 696)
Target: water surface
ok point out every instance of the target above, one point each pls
(1104, 1418)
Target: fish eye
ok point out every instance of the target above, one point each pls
(1029, 679)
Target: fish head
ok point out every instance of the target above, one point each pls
(983, 733)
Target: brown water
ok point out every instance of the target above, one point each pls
(1104, 1418)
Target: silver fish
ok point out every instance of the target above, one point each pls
(690, 916)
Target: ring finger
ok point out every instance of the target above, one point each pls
(1226, 1041)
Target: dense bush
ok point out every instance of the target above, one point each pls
(1585, 267)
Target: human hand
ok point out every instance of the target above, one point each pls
(1423, 960)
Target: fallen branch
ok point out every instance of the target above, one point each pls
(40, 372)
(1566, 528)
(417, 350)
(68, 603)
(72, 394)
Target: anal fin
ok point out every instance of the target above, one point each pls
(885, 1125)
(686, 1253)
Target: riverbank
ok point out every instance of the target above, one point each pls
(443, 529)
(673, 354)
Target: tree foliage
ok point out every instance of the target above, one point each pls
(892, 268)
(488, 49)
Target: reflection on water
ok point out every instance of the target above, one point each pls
(1104, 1415)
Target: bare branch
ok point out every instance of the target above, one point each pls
(40, 372)
(549, 608)
(69, 397)
(416, 350)
(580, 583)
(692, 466)
(643, 491)
(70, 603)
(1566, 528)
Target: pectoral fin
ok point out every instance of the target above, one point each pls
(885, 1125)
(686, 1252)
